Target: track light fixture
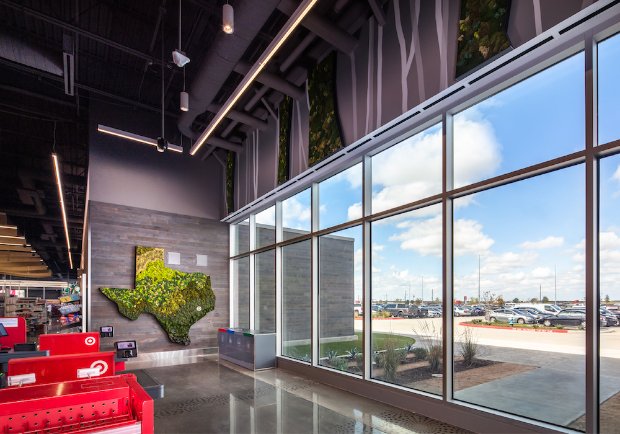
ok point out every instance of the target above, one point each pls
(228, 19)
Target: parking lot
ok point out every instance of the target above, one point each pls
(571, 342)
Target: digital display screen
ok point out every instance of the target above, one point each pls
(126, 345)
(106, 329)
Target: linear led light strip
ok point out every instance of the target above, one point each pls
(7, 227)
(256, 69)
(135, 137)
(5, 237)
(62, 207)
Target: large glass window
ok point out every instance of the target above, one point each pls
(608, 90)
(340, 290)
(408, 171)
(241, 292)
(407, 283)
(296, 215)
(340, 197)
(265, 291)
(265, 223)
(540, 118)
(297, 300)
(242, 237)
(519, 253)
(609, 251)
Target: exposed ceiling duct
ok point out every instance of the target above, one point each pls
(19, 51)
(224, 54)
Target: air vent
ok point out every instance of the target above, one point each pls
(360, 144)
(398, 123)
(587, 17)
(523, 53)
(444, 97)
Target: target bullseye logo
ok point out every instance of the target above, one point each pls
(90, 341)
(101, 365)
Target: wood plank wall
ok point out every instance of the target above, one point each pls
(116, 230)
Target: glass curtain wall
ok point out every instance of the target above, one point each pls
(609, 233)
(340, 289)
(497, 250)
(297, 300)
(265, 291)
(241, 292)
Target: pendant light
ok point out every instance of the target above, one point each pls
(228, 19)
(162, 143)
(184, 97)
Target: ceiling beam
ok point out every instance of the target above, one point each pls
(224, 144)
(273, 81)
(79, 31)
(323, 28)
(242, 117)
(7, 232)
(15, 249)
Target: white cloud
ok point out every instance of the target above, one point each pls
(411, 169)
(616, 175)
(425, 236)
(469, 238)
(542, 272)
(355, 211)
(267, 217)
(545, 243)
(295, 214)
(477, 152)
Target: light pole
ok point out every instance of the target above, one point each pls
(555, 284)
(478, 279)
(422, 289)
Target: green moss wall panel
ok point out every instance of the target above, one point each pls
(176, 299)
(230, 181)
(284, 139)
(325, 137)
(116, 230)
(482, 32)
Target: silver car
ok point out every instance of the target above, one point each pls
(510, 315)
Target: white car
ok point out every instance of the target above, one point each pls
(358, 310)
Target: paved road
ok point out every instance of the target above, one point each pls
(558, 359)
(572, 342)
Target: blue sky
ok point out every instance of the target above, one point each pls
(528, 235)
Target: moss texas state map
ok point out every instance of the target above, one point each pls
(176, 299)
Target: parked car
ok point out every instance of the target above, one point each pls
(610, 317)
(459, 311)
(510, 315)
(547, 308)
(534, 312)
(358, 310)
(377, 308)
(402, 310)
(429, 312)
(477, 311)
(570, 317)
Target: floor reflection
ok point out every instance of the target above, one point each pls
(209, 397)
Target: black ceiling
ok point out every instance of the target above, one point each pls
(117, 52)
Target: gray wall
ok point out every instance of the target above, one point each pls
(116, 230)
(133, 174)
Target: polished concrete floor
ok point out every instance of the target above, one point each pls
(206, 396)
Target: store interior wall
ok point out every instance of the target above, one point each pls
(139, 197)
